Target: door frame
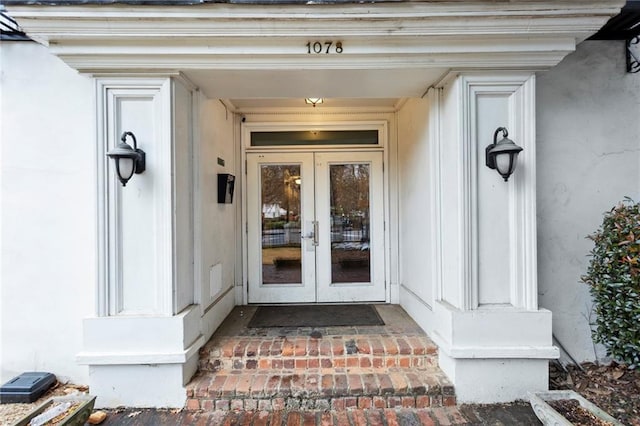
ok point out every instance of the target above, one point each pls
(383, 141)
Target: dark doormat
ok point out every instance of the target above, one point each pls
(315, 316)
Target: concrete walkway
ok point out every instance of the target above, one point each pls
(494, 414)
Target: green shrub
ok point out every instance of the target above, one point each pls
(614, 279)
(274, 224)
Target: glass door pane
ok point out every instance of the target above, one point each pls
(281, 244)
(281, 236)
(350, 215)
(349, 207)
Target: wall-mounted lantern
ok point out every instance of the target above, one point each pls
(633, 55)
(501, 155)
(128, 160)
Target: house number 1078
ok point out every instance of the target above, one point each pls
(318, 47)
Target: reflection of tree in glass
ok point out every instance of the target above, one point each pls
(350, 194)
(281, 189)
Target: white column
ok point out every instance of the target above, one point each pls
(494, 341)
(142, 345)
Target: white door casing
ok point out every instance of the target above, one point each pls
(326, 248)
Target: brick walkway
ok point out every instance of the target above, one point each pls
(390, 417)
(341, 376)
(326, 368)
(495, 415)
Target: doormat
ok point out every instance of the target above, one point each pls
(315, 316)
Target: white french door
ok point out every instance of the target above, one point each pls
(315, 227)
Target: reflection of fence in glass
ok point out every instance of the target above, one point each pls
(350, 256)
(284, 235)
(350, 229)
(353, 231)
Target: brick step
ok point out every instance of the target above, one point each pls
(320, 389)
(300, 352)
(433, 416)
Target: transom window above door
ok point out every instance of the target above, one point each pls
(315, 138)
(364, 135)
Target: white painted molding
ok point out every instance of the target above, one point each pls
(435, 166)
(496, 352)
(133, 58)
(311, 112)
(527, 258)
(417, 298)
(136, 358)
(380, 125)
(398, 19)
(240, 296)
(196, 176)
(449, 34)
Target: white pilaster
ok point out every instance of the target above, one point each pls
(135, 258)
(487, 316)
(142, 346)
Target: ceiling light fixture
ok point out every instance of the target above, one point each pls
(314, 101)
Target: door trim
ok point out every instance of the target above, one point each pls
(383, 138)
(379, 125)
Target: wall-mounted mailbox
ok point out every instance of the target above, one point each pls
(226, 183)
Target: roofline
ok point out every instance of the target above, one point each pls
(192, 2)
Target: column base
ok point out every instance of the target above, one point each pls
(495, 380)
(141, 361)
(142, 385)
(495, 354)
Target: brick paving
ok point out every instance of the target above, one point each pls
(326, 368)
(304, 352)
(329, 376)
(434, 416)
(494, 414)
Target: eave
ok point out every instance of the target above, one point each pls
(438, 35)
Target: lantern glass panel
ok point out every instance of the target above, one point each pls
(503, 162)
(125, 167)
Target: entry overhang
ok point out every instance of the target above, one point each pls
(94, 37)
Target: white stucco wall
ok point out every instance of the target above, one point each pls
(48, 212)
(588, 148)
(216, 237)
(415, 187)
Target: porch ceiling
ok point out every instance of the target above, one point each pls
(287, 88)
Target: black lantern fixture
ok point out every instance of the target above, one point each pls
(128, 160)
(501, 155)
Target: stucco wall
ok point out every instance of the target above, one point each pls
(48, 212)
(588, 148)
(416, 241)
(216, 245)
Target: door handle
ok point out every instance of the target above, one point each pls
(315, 232)
(313, 235)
